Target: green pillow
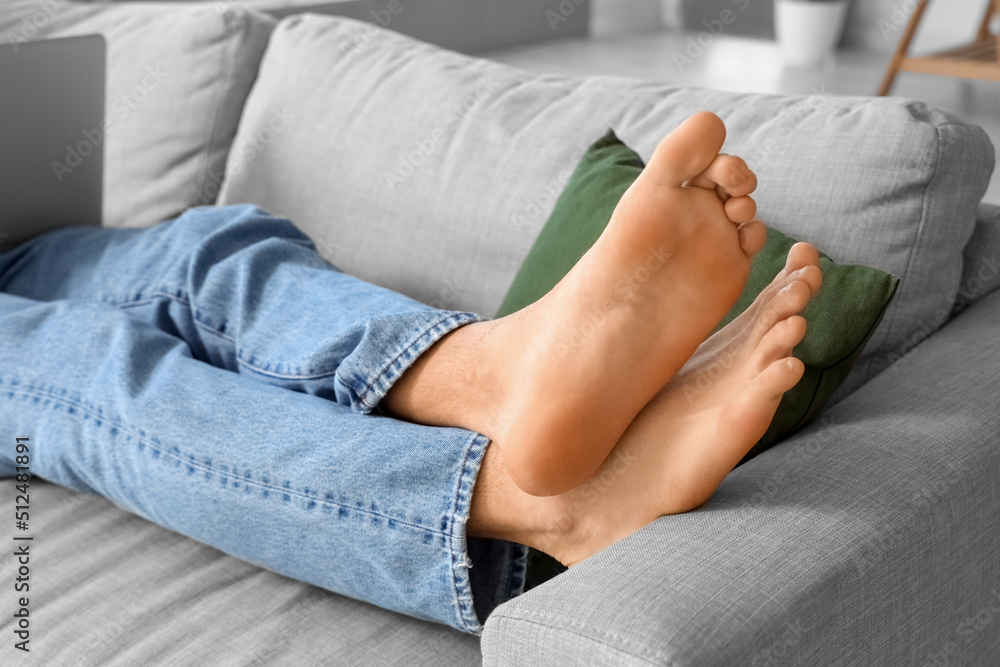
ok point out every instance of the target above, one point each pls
(840, 319)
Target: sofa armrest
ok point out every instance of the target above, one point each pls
(871, 537)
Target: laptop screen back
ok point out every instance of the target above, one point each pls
(51, 134)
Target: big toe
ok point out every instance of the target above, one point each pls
(801, 264)
(800, 256)
(687, 151)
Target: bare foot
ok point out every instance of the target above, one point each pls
(684, 442)
(555, 385)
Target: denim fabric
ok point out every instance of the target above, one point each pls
(214, 375)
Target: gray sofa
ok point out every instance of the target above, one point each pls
(868, 538)
(462, 25)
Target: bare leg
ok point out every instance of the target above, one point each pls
(680, 447)
(556, 384)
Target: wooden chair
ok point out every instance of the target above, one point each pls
(978, 60)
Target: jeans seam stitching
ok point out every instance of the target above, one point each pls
(195, 314)
(201, 324)
(387, 367)
(27, 392)
(283, 376)
(196, 318)
(467, 616)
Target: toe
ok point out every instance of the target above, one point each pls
(801, 255)
(740, 209)
(809, 274)
(779, 377)
(729, 175)
(780, 340)
(787, 301)
(688, 150)
(753, 234)
(812, 276)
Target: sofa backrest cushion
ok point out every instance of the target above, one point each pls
(178, 76)
(981, 269)
(431, 172)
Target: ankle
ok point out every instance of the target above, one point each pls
(450, 384)
(500, 510)
(560, 531)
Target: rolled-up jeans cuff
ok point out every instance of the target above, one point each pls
(368, 374)
(487, 572)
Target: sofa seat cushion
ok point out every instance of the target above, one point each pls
(178, 75)
(431, 172)
(109, 588)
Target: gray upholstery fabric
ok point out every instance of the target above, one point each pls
(981, 268)
(869, 538)
(431, 173)
(109, 589)
(178, 75)
(454, 24)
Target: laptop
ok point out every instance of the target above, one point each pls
(51, 135)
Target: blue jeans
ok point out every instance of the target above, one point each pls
(214, 375)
